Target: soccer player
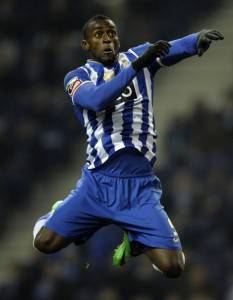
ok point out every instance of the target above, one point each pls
(112, 96)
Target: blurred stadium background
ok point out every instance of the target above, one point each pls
(43, 148)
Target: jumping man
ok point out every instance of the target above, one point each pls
(112, 97)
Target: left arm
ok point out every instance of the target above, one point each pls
(180, 49)
(196, 43)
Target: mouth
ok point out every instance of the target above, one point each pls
(108, 50)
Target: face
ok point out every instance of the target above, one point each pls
(102, 41)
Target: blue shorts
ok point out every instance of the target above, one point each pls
(131, 202)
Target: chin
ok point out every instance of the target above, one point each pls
(108, 62)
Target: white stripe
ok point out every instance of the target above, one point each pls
(151, 129)
(131, 51)
(148, 84)
(89, 132)
(137, 116)
(72, 80)
(99, 132)
(117, 123)
(85, 118)
(149, 154)
(94, 74)
(84, 70)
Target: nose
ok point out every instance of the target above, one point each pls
(106, 38)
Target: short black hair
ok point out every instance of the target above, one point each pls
(93, 19)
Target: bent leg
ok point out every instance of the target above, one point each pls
(170, 262)
(72, 220)
(47, 241)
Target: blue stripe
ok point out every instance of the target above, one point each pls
(108, 129)
(154, 147)
(127, 126)
(153, 160)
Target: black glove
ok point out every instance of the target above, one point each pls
(156, 50)
(205, 38)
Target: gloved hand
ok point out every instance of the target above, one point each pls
(206, 37)
(156, 50)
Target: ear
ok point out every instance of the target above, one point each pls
(85, 45)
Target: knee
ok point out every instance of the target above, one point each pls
(173, 270)
(46, 242)
(174, 267)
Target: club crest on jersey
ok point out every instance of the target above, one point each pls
(124, 62)
(109, 75)
(73, 85)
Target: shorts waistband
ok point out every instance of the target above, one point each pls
(127, 162)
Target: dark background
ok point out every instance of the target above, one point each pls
(39, 44)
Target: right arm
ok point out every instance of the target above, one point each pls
(96, 98)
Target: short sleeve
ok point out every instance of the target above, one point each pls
(74, 79)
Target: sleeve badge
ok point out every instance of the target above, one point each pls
(73, 85)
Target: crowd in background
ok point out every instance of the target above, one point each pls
(39, 44)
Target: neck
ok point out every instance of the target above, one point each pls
(109, 65)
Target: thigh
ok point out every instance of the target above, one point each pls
(153, 228)
(75, 219)
(146, 221)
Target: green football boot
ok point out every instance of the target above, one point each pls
(122, 253)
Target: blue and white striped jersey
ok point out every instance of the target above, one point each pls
(115, 104)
